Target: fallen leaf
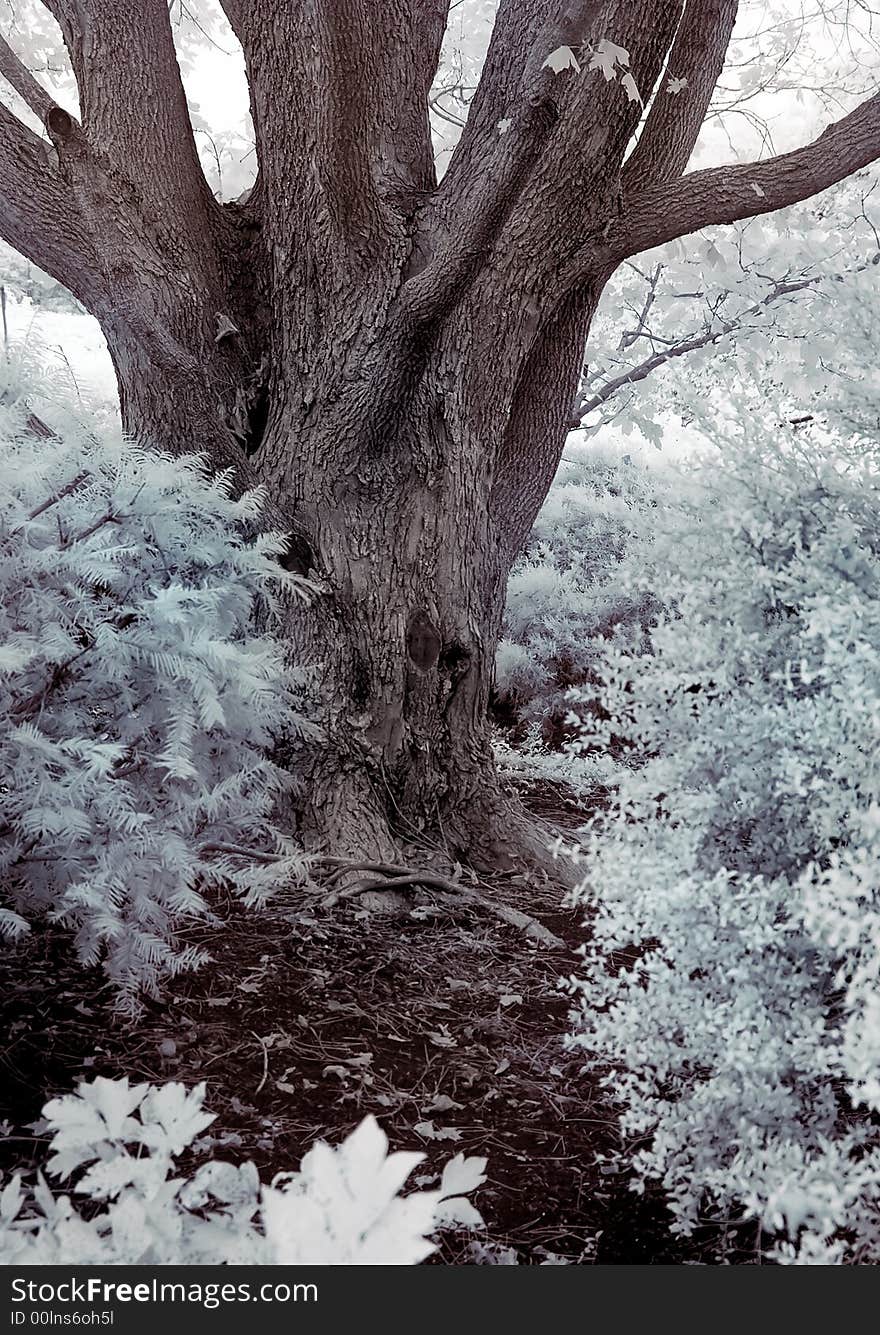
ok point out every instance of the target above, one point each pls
(441, 1038)
(428, 1131)
(442, 1103)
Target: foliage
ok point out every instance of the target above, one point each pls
(757, 303)
(120, 1142)
(732, 976)
(21, 279)
(137, 701)
(568, 592)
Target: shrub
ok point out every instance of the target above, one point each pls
(137, 701)
(121, 1142)
(739, 868)
(568, 591)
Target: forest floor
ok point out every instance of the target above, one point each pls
(450, 1027)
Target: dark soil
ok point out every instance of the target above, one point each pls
(304, 1023)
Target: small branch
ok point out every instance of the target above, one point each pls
(59, 495)
(234, 850)
(588, 404)
(99, 523)
(631, 336)
(264, 1046)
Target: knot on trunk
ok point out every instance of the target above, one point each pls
(422, 641)
(298, 557)
(59, 123)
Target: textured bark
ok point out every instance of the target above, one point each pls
(394, 358)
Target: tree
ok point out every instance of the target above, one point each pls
(394, 356)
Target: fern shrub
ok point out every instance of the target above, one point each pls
(138, 703)
(732, 974)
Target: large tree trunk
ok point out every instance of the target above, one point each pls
(395, 357)
(399, 522)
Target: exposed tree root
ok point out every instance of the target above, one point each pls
(498, 834)
(400, 878)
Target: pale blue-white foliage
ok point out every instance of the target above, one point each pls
(568, 591)
(138, 704)
(739, 865)
(120, 1142)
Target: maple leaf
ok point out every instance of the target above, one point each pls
(560, 60)
(606, 57)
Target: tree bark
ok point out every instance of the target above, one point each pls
(392, 357)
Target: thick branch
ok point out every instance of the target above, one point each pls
(16, 73)
(674, 121)
(660, 213)
(37, 215)
(512, 118)
(345, 163)
(133, 104)
(538, 143)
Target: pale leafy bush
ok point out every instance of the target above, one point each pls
(120, 1142)
(569, 591)
(137, 701)
(23, 280)
(739, 867)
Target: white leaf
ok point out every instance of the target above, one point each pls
(675, 86)
(632, 91)
(504, 125)
(442, 1103)
(562, 59)
(173, 1116)
(606, 57)
(428, 1131)
(11, 1198)
(458, 1211)
(462, 1175)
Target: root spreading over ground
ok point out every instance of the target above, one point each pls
(445, 1022)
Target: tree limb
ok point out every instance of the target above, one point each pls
(675, 119)
(537, 142)
(37, 215)
(16, 73)
(134, 108)
(661, 213)
(513, 115)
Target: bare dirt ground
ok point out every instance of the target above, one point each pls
(445, 1023)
